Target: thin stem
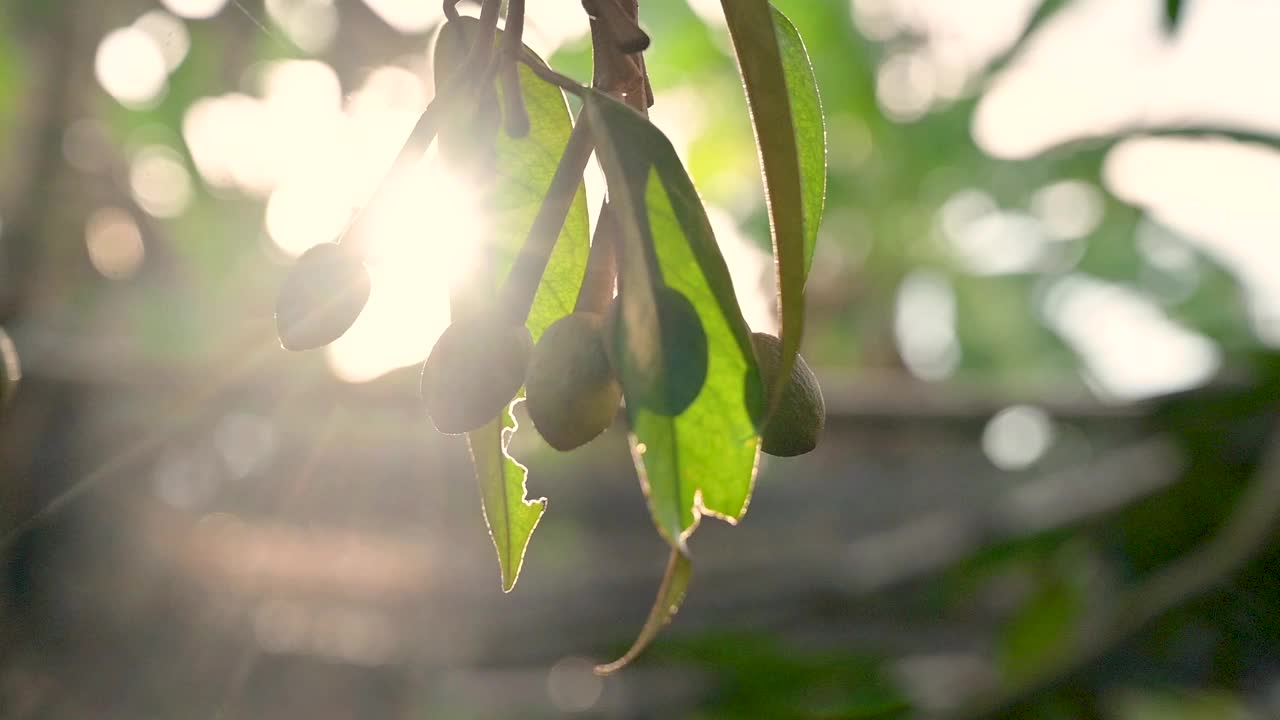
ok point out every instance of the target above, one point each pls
(483, 46)
(424, 131)
(451, 10)
(455, 90)
(564, 82)
(517, 117)
(521, 287)
(602, 264)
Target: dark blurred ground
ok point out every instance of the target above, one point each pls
(323, 556)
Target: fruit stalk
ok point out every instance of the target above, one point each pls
(602, 264)
(517, 117)
(424, 130)
(616, 43)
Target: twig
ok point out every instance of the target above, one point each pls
(564, 82)
(517, 117)
(618, 71)
(455, 90)
(602, 266)
(619, 23)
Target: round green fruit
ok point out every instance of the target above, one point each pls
(796, 424)
(475, 369)
(571, 392)
(665, 379)
(321, 297)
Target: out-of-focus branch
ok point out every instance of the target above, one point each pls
(1045, 11)
(33, 199)
(1246, 532)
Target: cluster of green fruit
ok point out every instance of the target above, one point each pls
(481, 361)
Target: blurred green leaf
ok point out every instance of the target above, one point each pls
(11, 79)
(1042, 628)
(783, 97)
(521, 175)
(757, 677)
(1172, 15)
(1137, 704)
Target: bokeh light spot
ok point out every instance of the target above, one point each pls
(160, 181)
(195, 9)
(1130, 348)
(573, 686)
(407, 16)
(130, 66)
(1068, 209)
(1016, 437)
(168, 33)
(114, 243)
(925, 325)
(310, 24)
(906, 86)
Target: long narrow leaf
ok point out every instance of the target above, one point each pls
(520, 176)
(702, 461)
(675, 583)
(787, 118)
(511, 517)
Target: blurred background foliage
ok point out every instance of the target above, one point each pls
(1043, 306)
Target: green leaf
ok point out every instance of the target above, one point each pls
(703, 460)
(787, 117)
(1041, 630)
(810, 129)
(510, 516)
(518, 179)
(675, 583)
(1172, 15)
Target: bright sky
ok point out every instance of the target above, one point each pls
(1216, 195)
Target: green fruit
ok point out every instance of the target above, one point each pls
(10, 369)
(797, 422)
(570, 390)
(322, 296)
(665, 379)
(475, 369)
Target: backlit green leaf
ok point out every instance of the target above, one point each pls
(787, 116)
(518, 179)
(510, 516)
(703, 460)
